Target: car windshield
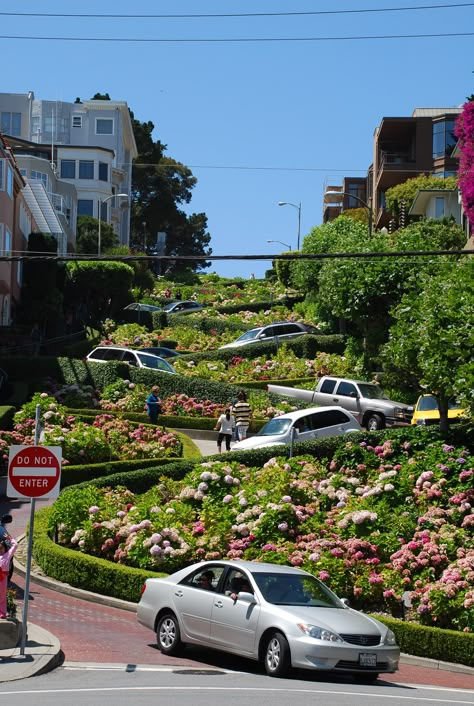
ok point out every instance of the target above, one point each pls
(151, 361)
(249, 335)
(372, 392)
(295, 590)
(278, 425)
(429, 404)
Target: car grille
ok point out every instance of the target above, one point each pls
(355, 666)
(362, 640)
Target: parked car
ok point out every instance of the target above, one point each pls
(302, 425)
(280, 615)
(183, 307)
(104, 354)
(138, 306)
(426, 412)
(365, 400)
(279, 331)
(161, 351)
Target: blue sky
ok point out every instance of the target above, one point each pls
(257, 122)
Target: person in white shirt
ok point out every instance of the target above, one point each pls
(225, 426)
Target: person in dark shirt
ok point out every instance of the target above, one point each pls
(153, 404)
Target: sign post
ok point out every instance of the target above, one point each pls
(33, 472)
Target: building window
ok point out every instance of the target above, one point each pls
(104, 126)
(85, 207)
(77, 120)
(104, 212)
(103, 171)
(48, 123)
(439, 207)
(5, 241)
(2, 172)
(9, 181)
(382, 199)
(40, 176)
(35, 125)
(86, 169)
(68, 169)
(444, 140)
(19, 272)
(357, 194)
(11, 124)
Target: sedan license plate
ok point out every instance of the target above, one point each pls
(367, 659)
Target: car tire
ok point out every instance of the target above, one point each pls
(375, 422)
(365, 678)
(168, 635)
(277, 655)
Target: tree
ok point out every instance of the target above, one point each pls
(160, 185)
(362, 292)
(432, 339)
(43, 282)
(87, 238)
(104, 287)
(407, 190)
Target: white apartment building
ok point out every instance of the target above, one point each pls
(92, 147)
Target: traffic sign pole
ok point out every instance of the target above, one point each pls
(24, 625)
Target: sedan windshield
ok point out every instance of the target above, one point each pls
(295, 589)
(278, 425)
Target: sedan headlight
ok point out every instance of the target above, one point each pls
(390, 638)
(319, 633)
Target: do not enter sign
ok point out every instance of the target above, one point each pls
(34, 471)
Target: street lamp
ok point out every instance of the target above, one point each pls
(335, 197)
(101, 201)
(281, 243)
(298, 208)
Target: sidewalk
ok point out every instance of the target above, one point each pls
(42, 654)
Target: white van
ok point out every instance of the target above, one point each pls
(305, 424)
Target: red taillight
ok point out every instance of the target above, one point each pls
(143, 589)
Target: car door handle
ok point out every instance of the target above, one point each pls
(218, 604)
(178, 593)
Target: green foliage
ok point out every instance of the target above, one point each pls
(408, 189)
(107, 285)
(6, 416)
(430, 642)
(432, 340)
(87, 240)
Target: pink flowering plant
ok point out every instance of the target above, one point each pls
(104, 439)
(370, 536)
(464, 131)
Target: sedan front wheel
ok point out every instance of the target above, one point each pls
(277, 655)
(168, 636)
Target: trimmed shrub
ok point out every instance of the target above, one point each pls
(6, 416)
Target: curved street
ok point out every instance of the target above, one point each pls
(93, 633)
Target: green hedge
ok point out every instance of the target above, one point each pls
(84, 571)
(74, 475)
(434, 643)
(166, 420)
(6, 416)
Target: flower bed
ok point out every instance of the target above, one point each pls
(104, 438)
(379, 522)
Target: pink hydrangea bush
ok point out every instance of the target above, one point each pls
(374, 523)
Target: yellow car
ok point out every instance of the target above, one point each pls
(426, 411)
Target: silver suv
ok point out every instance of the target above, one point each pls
(140, 359)
(278, 331)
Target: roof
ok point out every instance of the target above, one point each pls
(423, 197)
(434, 112)
(41, 208)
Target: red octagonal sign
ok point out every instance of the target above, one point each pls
(34, 471)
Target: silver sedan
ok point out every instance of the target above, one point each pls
(280, 615)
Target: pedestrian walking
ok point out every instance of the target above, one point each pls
(153, 404)
(225, 425)
(242, 413)
(7, 549)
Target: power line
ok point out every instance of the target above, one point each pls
(332, 170)
(279, 256)
(241, 14)
(237, 40)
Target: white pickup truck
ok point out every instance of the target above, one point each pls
(365, 400)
